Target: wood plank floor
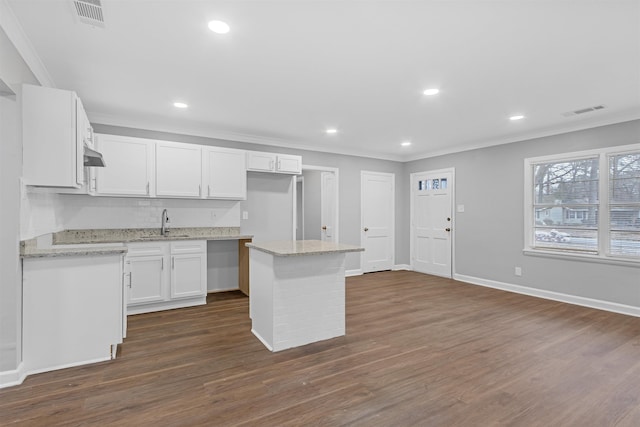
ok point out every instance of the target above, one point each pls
(419, 351)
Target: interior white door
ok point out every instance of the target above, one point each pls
(431, 220)
(378, 207)
(328, 212)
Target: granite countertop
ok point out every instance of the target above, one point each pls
(303, 247)
(112, 241)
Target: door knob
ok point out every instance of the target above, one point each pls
(324, 227)
(447, 229)
(366, 229)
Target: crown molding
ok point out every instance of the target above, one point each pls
(206, 132)
(16, 35)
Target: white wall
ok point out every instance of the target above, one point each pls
(13, 71)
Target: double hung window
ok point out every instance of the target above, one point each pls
(585, 203)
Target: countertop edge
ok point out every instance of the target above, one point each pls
(339, 248)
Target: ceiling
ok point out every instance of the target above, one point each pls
(288, 70)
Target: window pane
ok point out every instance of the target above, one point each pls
(625, 243)
(578, 216)
(566, 238)
(443, 183)
(624, 172)
(567, 182)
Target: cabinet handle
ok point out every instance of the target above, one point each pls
(271, 164)
(161, 263)
(93, 184)
(173, 263)
(278, 164)
(208, 190)
(130, 279)
(147, 188)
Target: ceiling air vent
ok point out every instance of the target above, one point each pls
(583, 111)
(89, 12)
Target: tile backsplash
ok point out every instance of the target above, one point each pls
(44, 213)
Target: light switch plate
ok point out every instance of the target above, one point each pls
(460, 208)
(245, 215)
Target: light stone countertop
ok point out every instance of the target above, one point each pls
(302, 247)
(92, 242)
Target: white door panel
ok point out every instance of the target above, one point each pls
(378, 207)
(432, 222)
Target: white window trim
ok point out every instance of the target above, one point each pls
(603, 208)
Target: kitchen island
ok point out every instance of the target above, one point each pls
(297, 291)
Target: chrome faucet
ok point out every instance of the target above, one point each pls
(165, 223)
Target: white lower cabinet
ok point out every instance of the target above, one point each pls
(72, 311)
(166, 275)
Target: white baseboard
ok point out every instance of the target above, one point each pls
(406, 267)
(350, 273)
(13, 377)
(555, 296)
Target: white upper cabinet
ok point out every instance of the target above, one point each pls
(129, 167)
(224, 173)
(287, 163)
(271, 162)
(53, 147)
(178, 170)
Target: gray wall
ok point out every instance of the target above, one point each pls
(269, 206)
(348, 187)
(13, 71)
(312, 204)
(489, 236)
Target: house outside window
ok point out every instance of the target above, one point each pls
(584, 204)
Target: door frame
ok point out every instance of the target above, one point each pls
(335, 171)
(412, 236)
(393, 215)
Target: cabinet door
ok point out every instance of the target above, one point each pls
(289, 164)
(146, 279)
(49, 134)
(129, 166)
(262, 162)
(225, 173)
(178, 170)
(188, 275)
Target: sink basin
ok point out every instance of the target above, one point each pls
(166, 236)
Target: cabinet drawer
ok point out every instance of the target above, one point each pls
(146, 249)
(188, 247)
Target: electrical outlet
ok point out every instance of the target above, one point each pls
(518, 271)
(245, 215)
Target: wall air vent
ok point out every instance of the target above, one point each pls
(89, 12)
(583, 111)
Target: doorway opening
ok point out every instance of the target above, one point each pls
(317, 204)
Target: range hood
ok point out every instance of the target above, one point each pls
(92, 158)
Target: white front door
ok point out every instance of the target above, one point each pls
(327, 206)
(431, 222)
(378, 207)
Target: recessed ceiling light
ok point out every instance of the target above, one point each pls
(406, 143)
(430, 92)
(331, 131)
(180, 105)
(219, 27)
(516, 117)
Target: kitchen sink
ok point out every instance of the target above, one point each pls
(166, 236)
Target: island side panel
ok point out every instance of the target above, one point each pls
(261, 299)
(308, 299)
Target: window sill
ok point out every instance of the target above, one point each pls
(582, 257)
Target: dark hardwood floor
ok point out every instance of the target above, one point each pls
(419, 351)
